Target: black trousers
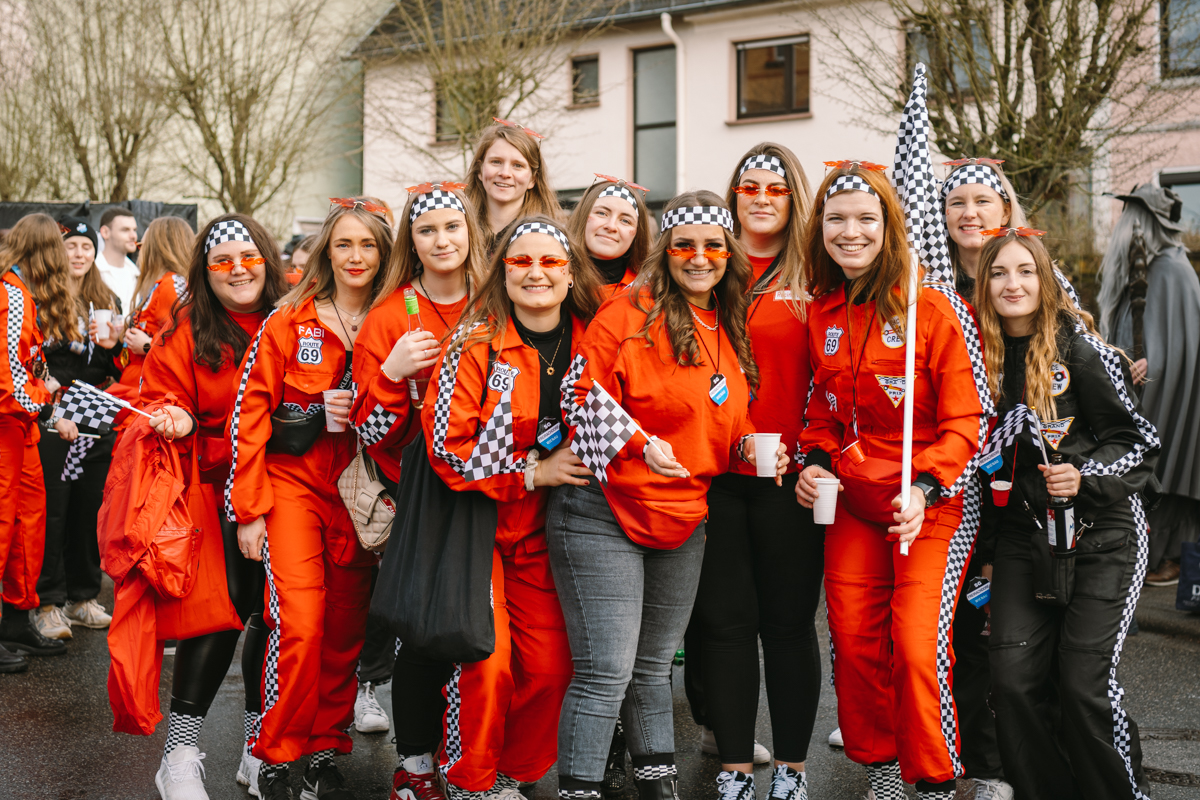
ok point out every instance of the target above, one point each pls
(979, 750)
(378, 655)
(71, 568)
(417, 702)
(761, 579)
(1089, 749)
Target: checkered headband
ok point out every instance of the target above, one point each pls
(697, 215)
(848, 183)
(974, 173)
(228, 231)
(541, 227)
(432, 201)
(763, 162)
(617, 190)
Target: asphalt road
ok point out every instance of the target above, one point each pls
(56, 741)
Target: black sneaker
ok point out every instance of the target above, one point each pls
(18, 632)
(11, 662)
(325, 783)
(276, 786)
(613, 784)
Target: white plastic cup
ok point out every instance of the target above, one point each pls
(826, 506)
(765, 445)
(103, 317)
(332, 425)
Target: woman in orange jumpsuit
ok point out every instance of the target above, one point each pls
(284, 496)
(513, 352)
(889, 614)
(33, 249)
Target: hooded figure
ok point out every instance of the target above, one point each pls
(1168, 367)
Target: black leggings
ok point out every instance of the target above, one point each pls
(417, 702)
(201, 662)
(71, 566)
(763, 563)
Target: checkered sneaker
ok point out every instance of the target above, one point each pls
(228, 231)
(1122, 737)
(376, 426)
(89, 407)
(73, 466)
(848, 183)
(697, 215)
(432, 201)
(605, 429)
(974, 173)
(763, 161)
(617, 190)
(541, 227)
(16, 321)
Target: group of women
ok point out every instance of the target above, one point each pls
(751, 312)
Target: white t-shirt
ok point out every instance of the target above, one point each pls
(122, 279)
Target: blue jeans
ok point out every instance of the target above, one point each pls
(626, 607)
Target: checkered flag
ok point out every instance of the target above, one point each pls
(73, 465)
(918, 190)
(604, 430)
(90, 408)
(1018, 420)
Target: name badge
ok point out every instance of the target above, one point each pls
(993, 463)
(979, 594)
(718, 390)
(549, 433)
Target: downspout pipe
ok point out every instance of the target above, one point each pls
(680, 103)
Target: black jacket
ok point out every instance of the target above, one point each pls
(83, 361)
(1107, 439)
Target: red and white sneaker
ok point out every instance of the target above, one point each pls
(415, 780)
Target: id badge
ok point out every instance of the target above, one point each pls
(718, 391)
(549, 433)
(979, 592)
(992, 464)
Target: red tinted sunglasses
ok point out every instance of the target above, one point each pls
(749, 190)
(688, 253)
(227, 265)
(515, 263)
(351, 204)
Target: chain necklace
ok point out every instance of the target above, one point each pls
(550, 363)
(702, 322)
(353, 317)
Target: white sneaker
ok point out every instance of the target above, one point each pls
(369, 716)
(247, 774)
(52, 623)
(992, 790)
(835, 740)
(735, 786)
(507, 793)
(181, 776)
(89, 614)
(788, 784)
(708, 744)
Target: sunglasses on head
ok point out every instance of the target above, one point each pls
(851, 164)
(227, 264)
(688, 253)
(514, 263)
(959, 162)
(750, 190)
(351, 204)
(508, 124)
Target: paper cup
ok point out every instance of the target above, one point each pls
(1000, 491)
(765, 445)
(826, 505)
(853, 451)
(103, 317)
(332, 425)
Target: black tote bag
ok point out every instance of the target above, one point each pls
(435, 581)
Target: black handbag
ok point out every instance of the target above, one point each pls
(293, 432)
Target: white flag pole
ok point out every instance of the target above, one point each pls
(87, 387)
(910, 368)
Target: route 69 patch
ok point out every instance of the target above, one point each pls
(833, 337)
(503, 377)
(308, 351)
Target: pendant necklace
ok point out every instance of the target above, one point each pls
(718, 389)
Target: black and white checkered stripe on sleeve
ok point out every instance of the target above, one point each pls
(16, 321)
(181, 287)
(697, 215)
(763, 161)
(271, 659)
(1071, 293)
(377, 425)
(432, 201)
(617, 190)
(1122, 737)
(974, 173)
(236, 417)
(848, 183)
(228, 231)
(542, 227)
(1112, 365)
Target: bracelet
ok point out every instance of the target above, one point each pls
(531, 462)
(383, 372)
(741, 449)
(647, 445)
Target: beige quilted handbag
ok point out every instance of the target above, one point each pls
(371, 509)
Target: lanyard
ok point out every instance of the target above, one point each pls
(717, 369)
(760, 286)
(862, 354)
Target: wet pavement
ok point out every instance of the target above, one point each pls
(56, 739)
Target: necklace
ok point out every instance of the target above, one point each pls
(434, 303)
(718, 388)
(353, 317)
(338, 311)
(550, 363)
(696, 317)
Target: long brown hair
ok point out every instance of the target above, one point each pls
(493, 306)
(166, 247)
(1016, 214)
(217, 339)
(403, 266)
(669, 303)
(35, 244)
(882, 278)
(577, 225)
(792, 255)
(1054, 310)
(317, 278)
(540, 199)
(92, 292)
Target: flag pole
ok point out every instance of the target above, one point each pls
(910, 368)
(87, 387)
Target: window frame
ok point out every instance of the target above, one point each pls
(574, 99)
(740, 47)
(1166, 71)
(635, 127)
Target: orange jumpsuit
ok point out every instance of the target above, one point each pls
(318, 577)
(502, 712)
(890, 615)
(22, 490)
(153, 316)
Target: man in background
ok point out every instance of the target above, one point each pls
(118, 231)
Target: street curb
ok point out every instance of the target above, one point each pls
(1156, 613)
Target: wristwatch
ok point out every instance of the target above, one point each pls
(932, 493)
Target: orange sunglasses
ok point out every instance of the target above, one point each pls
(688, 253)
(227, 264)
(520, 263)
(749, 190)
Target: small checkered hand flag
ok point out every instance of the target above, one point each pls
(604, 429)
(90, 408)
(1018, 420)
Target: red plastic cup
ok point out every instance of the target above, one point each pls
(1000, 492)
(854, 452)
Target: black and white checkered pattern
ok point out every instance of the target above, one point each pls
(974, 173)
(432, 201)
(16, 368)
(763, 161)
(271, 660)
(377, 425)
(617, 190)
(1112, 365)
(89, 407)
(183, 730)
(541, 227)
(1019, 418)
(73, 465)
(578, 794)
(886, 782)
(1071, 293)
(654, 772)
(572, 411)
(505, 782)
(1122, 738)
(321, 759)
(848, 183)
(228, 231)
(697, 215)
(250, 721)
(454, 745)
(181, 287)
(605, 429)
(236, 416)
(948, 795)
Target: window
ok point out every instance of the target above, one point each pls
(773, 77)
(941, 38)
(1186, 184)
(1180, 33)
(585, 81)
(463, 102)
(654, 122)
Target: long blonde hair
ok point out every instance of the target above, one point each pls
(35, 244)
(540, 199)
(317, 278)
(166, 248)
(1017, 218)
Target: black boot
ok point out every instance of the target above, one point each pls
(614, 770)
(11, 662)
(18, 632)
(656, 781)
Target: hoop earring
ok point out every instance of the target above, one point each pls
(570, 284)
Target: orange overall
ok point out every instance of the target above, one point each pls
(890, 614)
(318, 577)
(153, 315)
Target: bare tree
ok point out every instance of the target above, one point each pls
(256, 82)
(459, 63)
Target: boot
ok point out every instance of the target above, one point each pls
(656, 783)
(18, 632)
(12, 662)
